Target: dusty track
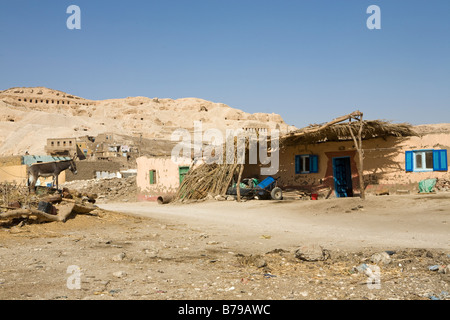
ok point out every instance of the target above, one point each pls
(413, 221)
(214, 250)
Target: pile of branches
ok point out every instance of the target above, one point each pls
(10, 192)
(206, 180)
(47, 205)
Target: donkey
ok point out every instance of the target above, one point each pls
(49, 169)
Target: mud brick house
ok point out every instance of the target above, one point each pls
(14, 169)
(160, 177)
(68, 147)
(325, 159)
(345, 157)
(349, 156)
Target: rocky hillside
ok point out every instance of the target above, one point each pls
(29, 116)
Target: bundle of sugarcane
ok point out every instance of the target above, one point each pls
(207, 179)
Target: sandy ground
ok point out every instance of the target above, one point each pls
(384, 223)
(232, 251)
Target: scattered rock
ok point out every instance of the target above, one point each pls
(257, 260)
(433, 268)
(382, 257)
(119, 274)
(119, 257)
(220, 198)
(444, 269)
(279, 251)
(312, 253)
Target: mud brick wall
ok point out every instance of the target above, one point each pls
(10, 161)
(87, 169)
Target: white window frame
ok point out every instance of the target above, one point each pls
(303, 164)
(424, 158)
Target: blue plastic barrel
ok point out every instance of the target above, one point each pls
(266, 182)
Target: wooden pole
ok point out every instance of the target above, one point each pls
(359, 148)
(238, 189)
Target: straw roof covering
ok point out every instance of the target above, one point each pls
(340, 132)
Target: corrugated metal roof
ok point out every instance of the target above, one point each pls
(29, 160)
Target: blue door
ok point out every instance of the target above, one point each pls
(342, 177)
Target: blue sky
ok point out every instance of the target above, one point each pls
(309, 61)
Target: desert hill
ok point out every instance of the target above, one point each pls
(29, 116)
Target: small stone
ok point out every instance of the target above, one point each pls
(381, 257)
(444, 269)
(433, 268)
(260, 263)
(119, 257)
(312, 253)
(119, 274)
(220, 198)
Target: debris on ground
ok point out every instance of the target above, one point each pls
(45, 205)
(112, 189)
(381, 258)
(442, 184)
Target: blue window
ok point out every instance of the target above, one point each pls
(426, 160)
(305, 164)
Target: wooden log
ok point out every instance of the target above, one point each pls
(53, 199)
(65, 210)
(29, 212)
(238, 189)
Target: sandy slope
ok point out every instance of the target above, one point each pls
(25, 126)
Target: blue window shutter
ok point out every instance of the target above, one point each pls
(314, 164)
(440, 160)
(409, 161)
(297, 164)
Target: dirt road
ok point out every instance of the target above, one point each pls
(228, 251)
(412, 221)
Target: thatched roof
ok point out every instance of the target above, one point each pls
(336, 130)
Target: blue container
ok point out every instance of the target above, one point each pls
(266, 183)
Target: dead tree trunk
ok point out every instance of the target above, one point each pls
(359, 148)
(65, 210)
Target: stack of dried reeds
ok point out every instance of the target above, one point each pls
(207, 179)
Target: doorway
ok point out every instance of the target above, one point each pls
(183, 172)
(342, 177)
